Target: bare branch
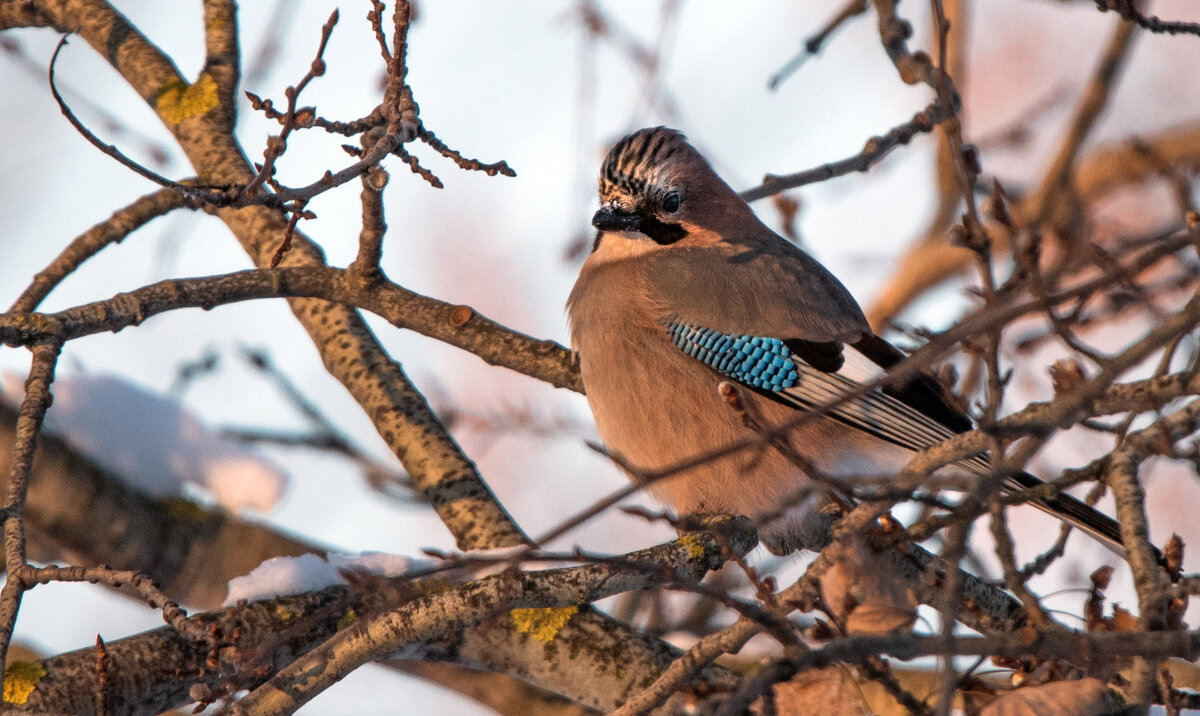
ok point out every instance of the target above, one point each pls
(875, 149)
(222, 56)
(33, 411)
(113, 230)
(472, 604)
(814, 43)
(1129, 11)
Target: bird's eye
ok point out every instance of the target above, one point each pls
(672, 202)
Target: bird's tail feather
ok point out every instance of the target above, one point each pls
(1078, 514)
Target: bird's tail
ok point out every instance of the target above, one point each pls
(1078, 514)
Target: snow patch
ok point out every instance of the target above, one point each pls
(281, 576)
(153, 443)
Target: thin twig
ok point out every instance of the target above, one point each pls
(874, 150)
(817, 40)
(1128, 10)
(190, 192)
(33, 411)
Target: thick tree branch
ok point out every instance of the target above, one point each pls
(273, 632)
(75, 511)
(222, 57)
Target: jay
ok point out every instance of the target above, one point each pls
(686, 290)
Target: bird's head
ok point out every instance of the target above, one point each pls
(655, 187)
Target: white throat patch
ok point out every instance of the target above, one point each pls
(617, 245)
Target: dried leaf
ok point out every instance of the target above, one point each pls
(864, 593)
(1065, 375)
(1184, 674)
(1044, 673)
(1086, 697)
(1101, 577)
(1123, 620)
(879, 619)
(821, 631)
(829, 692)
(1173, 554)
(1029, 635)
(1093, 611)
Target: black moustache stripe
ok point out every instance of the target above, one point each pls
(661, 232)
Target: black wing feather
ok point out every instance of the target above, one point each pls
(922, 392)
(822, 355)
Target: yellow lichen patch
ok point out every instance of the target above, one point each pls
(20, 679)
(285, 614)
(347, 619)
(694, 546)
(178, 100)
(542, 624)
(183, 510)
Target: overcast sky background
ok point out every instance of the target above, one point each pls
(511, 81)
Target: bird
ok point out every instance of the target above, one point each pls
(697, 327)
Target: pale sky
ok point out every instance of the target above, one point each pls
(502, 81)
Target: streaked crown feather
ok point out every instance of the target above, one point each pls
(639, 160)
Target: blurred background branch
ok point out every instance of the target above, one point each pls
(1076, 346)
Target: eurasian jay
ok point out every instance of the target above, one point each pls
(685, 289)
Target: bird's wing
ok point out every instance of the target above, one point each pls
(774, 367)
(914, 416)
(764, 290)
(763, 287)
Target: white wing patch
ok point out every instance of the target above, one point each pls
(858, 367)
(875, 412)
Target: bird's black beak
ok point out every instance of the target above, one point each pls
(611, 219)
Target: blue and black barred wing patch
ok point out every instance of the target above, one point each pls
(770, 367)
(756, 361)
